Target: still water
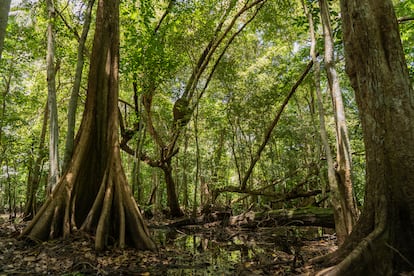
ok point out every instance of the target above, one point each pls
(222, 252)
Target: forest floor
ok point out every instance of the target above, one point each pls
(192, 250)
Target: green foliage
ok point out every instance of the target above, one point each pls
(405, 9)
(160, 47)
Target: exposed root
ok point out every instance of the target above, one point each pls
(359, 257)
(411, 264)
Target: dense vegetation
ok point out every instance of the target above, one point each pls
(201, 83)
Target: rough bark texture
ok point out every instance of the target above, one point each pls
(93, 195)
(4, 16)
(382, 242)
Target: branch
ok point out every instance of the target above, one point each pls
(405, 19)
(167, 11)
(206, 57)
(223, 52)
(273, 124)
(215, 43)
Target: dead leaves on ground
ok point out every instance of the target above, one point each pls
(223, 255)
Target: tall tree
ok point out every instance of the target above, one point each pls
(348, 206)
(382, 242)
(4, 15)
(335, 196)
(73, 102)
(52, 101)
(223, 35)
(93, 195)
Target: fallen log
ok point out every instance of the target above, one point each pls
(306, 216)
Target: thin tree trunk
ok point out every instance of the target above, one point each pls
(35, 175)
(172, 200)
(53, 115)
(169, 149)
(197, 172)
(3, 111)
(4, 16)
(343, 148)
(184, 176)
(73, 102)
(336, 200)
(272, 125)
(136, 171)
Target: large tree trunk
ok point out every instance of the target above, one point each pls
(93, 195)
(382, 242)
(4, 16)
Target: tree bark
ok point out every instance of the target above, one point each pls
(93, 195)
(51, 86)
(336, 198)
(382, 241)
(172, 199)
(343, 149)
(4, 16)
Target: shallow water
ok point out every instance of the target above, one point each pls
(221, 251)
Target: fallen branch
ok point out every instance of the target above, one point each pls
(306, 216)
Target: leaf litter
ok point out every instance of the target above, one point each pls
(201, 250)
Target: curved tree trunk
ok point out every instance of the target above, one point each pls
(382, 242)
(93, 195)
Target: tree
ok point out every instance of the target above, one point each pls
(348, 206)
(73, 102)
(154, 62)
(4, 15)
(382, 242)
(52, 102)
(335, 196)
(93, 194)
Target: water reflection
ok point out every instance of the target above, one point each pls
(210, 252)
